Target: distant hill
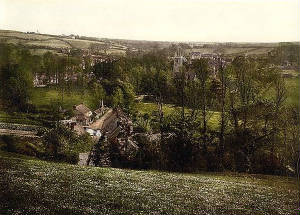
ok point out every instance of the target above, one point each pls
(41, 43)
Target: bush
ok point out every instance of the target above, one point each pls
(213, 162)
(68, 157)
(178, 151)
(62, 144)
(265, 162)
(30, 108)
(148, 155)
(82, 143)
(228, 161)
(240, 159)
(200, 163)
(9, 143)
(20, 145)
(27, 148)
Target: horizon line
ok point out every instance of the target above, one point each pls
(147, 40)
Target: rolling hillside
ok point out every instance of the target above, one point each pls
(31, 186)
(40, 43)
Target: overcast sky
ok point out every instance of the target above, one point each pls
(173, 20)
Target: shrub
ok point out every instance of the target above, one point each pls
(62, 144)
(9, 143)
(240, 159)
(228, 161)
(82, 143)
(68, 157)
(213, 162)
(148, 155)
(178, 151)
(20, 145)
(200, 163)
(265, 162)
(27, 148)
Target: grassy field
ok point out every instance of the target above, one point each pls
(82, 44)
(53, 41)
(43, 51)
(19, 118)
(116, 52)
(233, 50)
(171, 109)
(31, 186)
(144, 108)
(21, 35)
(44, 97)
(49, 43)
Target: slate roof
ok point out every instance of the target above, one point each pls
(82, 109)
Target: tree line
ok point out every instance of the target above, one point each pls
(255, 130)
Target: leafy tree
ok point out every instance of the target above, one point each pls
(206, 100)
(16, 78)
(222, 107)
(179, 145)
(252, 113)
(117, 98)
(63, 144)
(97, 93)
(106, 70)
(129, 96)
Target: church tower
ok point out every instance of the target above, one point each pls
(178, 61)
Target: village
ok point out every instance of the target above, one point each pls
(104, 123)
(110, 124)
(145, 107)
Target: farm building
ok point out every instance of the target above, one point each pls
(83, 114)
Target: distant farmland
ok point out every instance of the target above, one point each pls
(54, 43)
(118, 47)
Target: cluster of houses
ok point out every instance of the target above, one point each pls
(102, 124)
(103, 121)
(42, 80)
(214, 60)
(199, 55)
(94, 59)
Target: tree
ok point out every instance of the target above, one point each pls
(98, 93)
(129, 96)
(291, 137)
(117, 98)
(63, 144)
(17, 78)
(178, 148)
(206, 100)
(180, 84)
(253, 112)
(50, 66)
(222, 73)
(106, 70)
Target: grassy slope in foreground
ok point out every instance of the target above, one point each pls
(30, 186)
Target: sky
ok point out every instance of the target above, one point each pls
(160, 20)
